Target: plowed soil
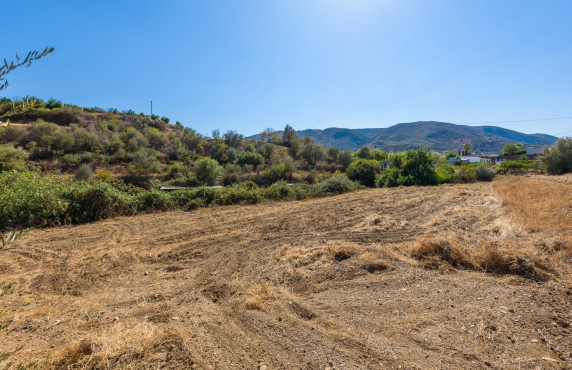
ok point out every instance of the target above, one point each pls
(326, 283)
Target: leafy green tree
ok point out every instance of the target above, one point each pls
(288, 135)
(363, 171)
(311, 153)
(557, 160)
(378, 154)
(19, 62)
(344, 158)
(363, 153)
(207, 171)
(467, 149)
(231, 155)
(144, 163)
(249, 158)
(333, 154)
(418, 168)
(415, 167)
(232, 139)
(513, 149)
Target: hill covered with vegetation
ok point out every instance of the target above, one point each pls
(437, 136)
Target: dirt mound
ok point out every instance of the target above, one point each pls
(448, 276)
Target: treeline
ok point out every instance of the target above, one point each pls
(27, 199)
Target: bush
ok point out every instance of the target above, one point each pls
(12, 158)
(275, 173)
(558, 159)
(207, 171)
(26, 199)
(184, 197)
(484, 173)
(363, 171)
(415, 167)
(418, 169)
(514, 165)
(465, 177)
(446, 174)
(154, 200)
(338, 184)
(236, 195)
(281, 190)
(84, 173)
(98, 201)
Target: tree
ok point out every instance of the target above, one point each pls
(363, 171)
(344, 158)
(288, 135)
(466, 149)
(513, 149)
(557, 160)
(19, 62)
(207, 171)
(363, 153)
(412, 168)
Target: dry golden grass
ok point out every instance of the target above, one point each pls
(539, 204)
(488, 256)
(260, 295)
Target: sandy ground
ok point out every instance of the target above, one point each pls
(317, 284)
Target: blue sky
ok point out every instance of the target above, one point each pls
(247, 65)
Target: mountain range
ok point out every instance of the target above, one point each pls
(436, 136)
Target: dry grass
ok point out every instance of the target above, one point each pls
(438, 253)
(121, 346)
(488, 256)
(261, 294)
(296, 285)
(539, 204)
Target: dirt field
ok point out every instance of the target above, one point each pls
(436, 277)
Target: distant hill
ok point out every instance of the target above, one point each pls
(437, 136)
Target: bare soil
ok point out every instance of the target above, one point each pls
(327, 283)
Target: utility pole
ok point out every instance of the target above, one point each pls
(151, 107)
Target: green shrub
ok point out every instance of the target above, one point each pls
(97, 201)
(465, 177)
(338, 184)
(280, 190)
(26, 199)
(484, 173)
(183, 197)
(154, 200)
(558, 159)
(415, 167)
(389, 178)
(194, 204)
(445, 174)
(363, 171)
(513, 165)
(207, 171)
(236, 195)
(84, 173)
(12, 158)
(275, 173)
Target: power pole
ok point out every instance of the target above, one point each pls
(151, 107)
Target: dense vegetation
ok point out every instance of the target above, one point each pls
(65, 164)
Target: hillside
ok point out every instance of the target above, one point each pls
(383, 278)
(438, 136)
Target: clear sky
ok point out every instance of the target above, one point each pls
(247, 65)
